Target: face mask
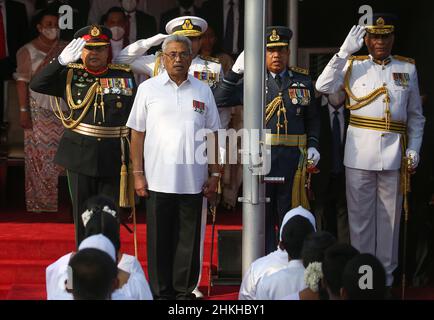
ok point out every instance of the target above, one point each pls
(337, 99)
(129, 5)
(51, 33)
(117, 33)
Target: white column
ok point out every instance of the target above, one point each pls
(293, 25)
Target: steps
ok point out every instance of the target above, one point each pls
(26, 249)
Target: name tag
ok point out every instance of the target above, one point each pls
(119, 86)
(401, 79)
(198, 106)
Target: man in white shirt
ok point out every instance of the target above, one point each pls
(169, 120)
(291, 278)
(384, 136)
(206, 69)
(271, 263)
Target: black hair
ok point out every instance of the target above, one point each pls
(37, 19)
(293, 234)
(315, 245)
(354, 272)
(103, 222)
(93, 273)
(335, 259)
(112, 10)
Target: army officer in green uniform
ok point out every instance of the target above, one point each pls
(99, 96)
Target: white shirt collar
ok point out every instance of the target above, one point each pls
(332, 110)
(164, 78)
(296, 263)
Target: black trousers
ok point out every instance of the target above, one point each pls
(330, 207)
(81, 188)
(173, 243)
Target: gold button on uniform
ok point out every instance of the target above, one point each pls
(118, 104)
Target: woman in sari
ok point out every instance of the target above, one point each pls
(42, 130)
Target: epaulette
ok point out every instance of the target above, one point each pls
(212, 59)
(404, 59)
(75, 65)
(123, 67)
(359, 58)
(300, 70)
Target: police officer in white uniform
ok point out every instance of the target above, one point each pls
(206, 69)
(384, 136)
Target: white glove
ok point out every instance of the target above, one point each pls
(414, 156)
(238, 66)
(353, 42)
(152, 41)
(72, 51)
(313, 154)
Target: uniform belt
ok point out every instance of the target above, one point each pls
(378, 124)
(102, 132)
(288, 140)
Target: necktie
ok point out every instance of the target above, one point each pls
(127, 31)
(278, 79)
(337, 148)
(2, 37)
(229, 33)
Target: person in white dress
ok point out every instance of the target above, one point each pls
(271, 263)
(290, 279)
(101, 218)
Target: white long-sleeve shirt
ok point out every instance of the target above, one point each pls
(265, 266)
(283, 283)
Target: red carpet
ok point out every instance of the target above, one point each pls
(27, 248)
(30, 242)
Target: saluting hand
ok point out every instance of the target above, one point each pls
(238, 66)
(72, 51)
(153, 41)
(353, 42)
(141, 185)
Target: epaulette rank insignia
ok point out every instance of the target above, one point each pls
(359, 58)
(404, 59)
(123, 67)
(75, 65)
(212, 59)
(300, 70)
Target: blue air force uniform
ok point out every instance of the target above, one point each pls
(292, 116)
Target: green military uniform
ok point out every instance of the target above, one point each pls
(94, 145)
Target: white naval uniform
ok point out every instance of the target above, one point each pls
(282, 283)
(373, 158)
(134, 54)
(136, 288)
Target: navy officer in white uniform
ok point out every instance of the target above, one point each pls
(385, 131)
